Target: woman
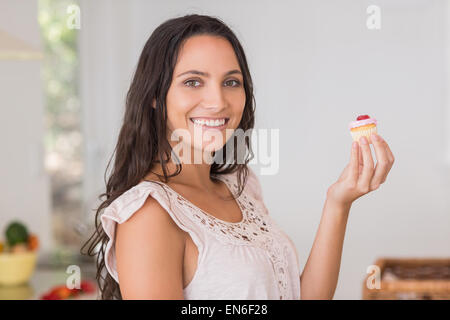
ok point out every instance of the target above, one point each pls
(173, 228)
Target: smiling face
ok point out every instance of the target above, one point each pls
(206, 98)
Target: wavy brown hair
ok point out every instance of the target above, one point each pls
(142, 140)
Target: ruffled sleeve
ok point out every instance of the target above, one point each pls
(122, 208)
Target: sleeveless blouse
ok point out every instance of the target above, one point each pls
(248, 260)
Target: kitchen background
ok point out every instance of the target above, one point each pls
(316, 65)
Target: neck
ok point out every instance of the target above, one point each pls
(192, 174)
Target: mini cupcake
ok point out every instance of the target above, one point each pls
(363, 126)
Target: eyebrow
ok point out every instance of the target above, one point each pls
(206, 74)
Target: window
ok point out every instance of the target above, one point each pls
(63, 138)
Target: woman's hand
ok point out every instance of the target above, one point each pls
(359, 176)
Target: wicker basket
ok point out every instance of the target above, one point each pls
(411, 279)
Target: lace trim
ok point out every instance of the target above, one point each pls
(256, 228)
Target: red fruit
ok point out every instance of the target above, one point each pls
(64, 292)
(87, 286)
(51, 296)
(362, 117)
(74, 292)
(33, 242)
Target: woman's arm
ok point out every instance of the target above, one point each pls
(149, 252)
(320, 275)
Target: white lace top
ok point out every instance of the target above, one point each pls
(250, 259)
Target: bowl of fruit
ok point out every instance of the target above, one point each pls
(18, 255)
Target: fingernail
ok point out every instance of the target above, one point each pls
(363, 140)
(355, 145)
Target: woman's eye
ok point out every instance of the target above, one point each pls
(237, 83)
(190, 81)
(229, 83)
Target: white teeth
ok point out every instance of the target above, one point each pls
(209, 123)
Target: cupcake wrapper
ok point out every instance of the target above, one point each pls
(358, 134)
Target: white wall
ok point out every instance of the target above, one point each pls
(106, 66)
(24, 186)
(315, 67)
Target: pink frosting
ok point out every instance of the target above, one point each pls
(359, 123)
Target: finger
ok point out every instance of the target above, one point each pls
(389, 152)
(361, 160)
(368, 170)
(383, 163)
(354, 162)
(390, 156)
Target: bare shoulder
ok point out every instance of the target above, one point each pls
(149, 252)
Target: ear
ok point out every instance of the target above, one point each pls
(154, 103)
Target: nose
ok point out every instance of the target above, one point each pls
(214, 98)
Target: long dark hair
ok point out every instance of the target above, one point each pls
(143, 140)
